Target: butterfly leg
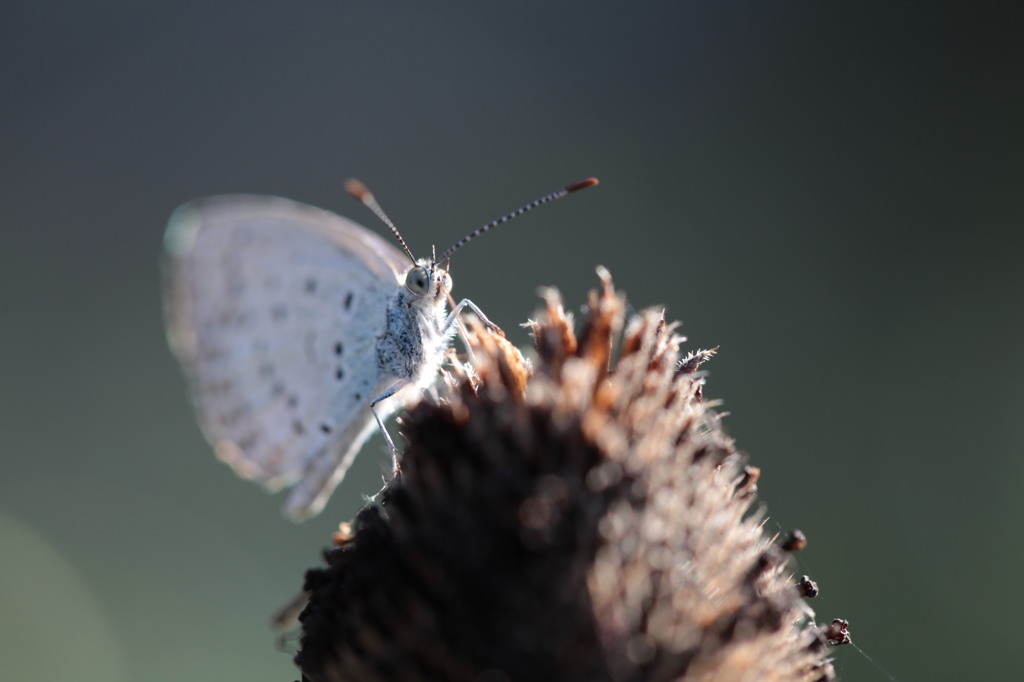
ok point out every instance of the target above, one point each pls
(453, 317)
(395, 388)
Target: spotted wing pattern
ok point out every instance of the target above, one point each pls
(273, 308)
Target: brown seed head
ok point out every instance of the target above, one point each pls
(590, 520)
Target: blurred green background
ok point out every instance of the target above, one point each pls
(831, 194)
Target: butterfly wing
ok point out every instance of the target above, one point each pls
(273, 308)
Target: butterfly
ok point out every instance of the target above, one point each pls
(300, 332)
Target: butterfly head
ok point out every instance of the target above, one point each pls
(428, 281)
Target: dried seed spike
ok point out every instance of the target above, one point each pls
(747, 485)
(795, 542)
(343, 535)
(807, 587)
(838, 633)
(695, 359)
(498, 354)
(553, 338)
(601, 328)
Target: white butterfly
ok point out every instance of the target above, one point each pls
(298, 330)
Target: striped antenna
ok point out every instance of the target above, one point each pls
(359, 191)
(565, 191)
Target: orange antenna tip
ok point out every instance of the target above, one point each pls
(582, 184)
(358, 190)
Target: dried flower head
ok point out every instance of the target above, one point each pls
(586, 520)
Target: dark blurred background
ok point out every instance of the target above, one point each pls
(831, 194)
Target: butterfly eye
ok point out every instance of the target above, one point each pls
(418, 280)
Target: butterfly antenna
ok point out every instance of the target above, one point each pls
(360, 192)
(565, 191)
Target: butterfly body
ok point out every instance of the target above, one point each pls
(415, 338)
